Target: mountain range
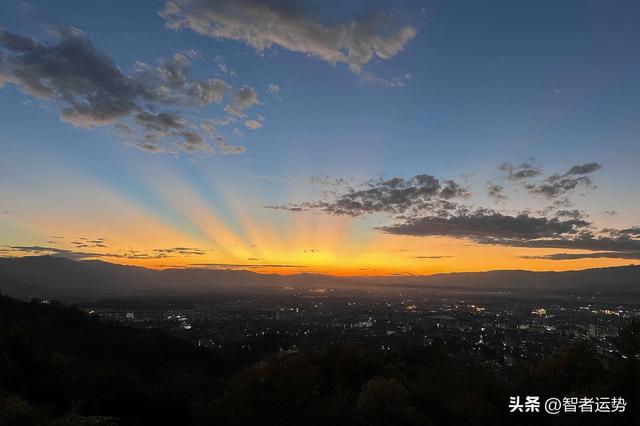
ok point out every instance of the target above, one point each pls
(58, 277)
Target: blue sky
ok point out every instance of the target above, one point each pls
(466, 87)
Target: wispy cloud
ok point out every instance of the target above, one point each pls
(158, 253)
(263, 24)
(243, 265)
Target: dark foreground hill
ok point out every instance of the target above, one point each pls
(57, 277)
(59, 366)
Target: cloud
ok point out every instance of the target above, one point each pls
(253, 124)
(587, 241)
(572, 214)
(486, 227)
(244, 99)
(525, 170)
(236, 266)
(592, 255)
(432, 257)
(424, 206)
(168, 82)
(273, 89)
(481, 224)
(226, 69)
(88, 243)
(392, 196)
(397, 81)
(557, 185)
(554, 186)
(496, 192)
(583, 169)
(227, 148)
(263, 24)
(93, 91)
(53, 251)
(327, 180)
(90, 86)
(158, 253)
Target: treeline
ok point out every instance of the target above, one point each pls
(59, 366)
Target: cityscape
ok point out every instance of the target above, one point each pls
(492, 328)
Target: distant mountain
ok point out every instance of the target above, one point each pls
(57, 277)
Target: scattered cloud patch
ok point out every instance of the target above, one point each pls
(525, 170)
(245, 98)
(92, 91)
(159, 253)
(392, 196)
(552, 187)
(496, 192)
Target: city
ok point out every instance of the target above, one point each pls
(497, 329)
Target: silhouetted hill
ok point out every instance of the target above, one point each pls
(622, 278)
(56, 277)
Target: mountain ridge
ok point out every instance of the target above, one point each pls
(52, 276)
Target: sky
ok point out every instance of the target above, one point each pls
(347, 138)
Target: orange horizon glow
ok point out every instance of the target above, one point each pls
(237, 230)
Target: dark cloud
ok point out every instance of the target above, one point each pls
(93, 91)
(53, 251)
(431, 257)
(85, 243)
(91, 87)
(582, 241)
(89, 243)
(554, 186)
(525, 170)
(391, 196)
(572, 214)
(263, 24)
(558, 184)
(496, 192)
(591, 255)
(493, 228)
(633, 232)
(481, 224)
(583, 169)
